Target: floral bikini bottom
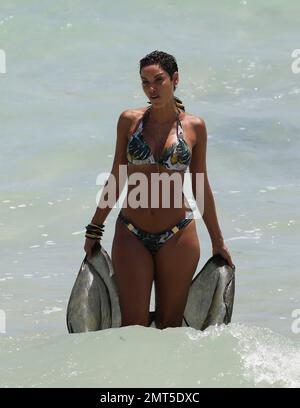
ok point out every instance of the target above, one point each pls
(154, 240)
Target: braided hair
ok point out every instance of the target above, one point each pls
(167, 62)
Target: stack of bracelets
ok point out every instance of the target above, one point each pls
(94, 231)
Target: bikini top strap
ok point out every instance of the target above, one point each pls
(145, 116)
(179, 128)
(142, 121)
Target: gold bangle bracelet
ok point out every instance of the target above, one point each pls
(92, 236)
(97, 226)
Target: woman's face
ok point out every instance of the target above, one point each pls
(157, 84)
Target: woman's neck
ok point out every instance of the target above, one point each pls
(164, 114)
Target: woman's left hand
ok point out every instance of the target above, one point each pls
(224, 252)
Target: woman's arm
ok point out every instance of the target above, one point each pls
(119, 159)
(209, 213)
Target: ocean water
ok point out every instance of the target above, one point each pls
(71, 69)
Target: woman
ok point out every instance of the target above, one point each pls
(158, 243)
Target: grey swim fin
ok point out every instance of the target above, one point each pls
(94, 303)
(211, 295)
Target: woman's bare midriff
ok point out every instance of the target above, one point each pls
(166, 213)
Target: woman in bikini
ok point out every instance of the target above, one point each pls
(155, 242)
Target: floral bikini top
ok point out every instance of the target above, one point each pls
(175, 157)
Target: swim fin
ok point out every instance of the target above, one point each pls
(94, 303)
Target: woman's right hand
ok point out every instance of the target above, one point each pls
(89, 245)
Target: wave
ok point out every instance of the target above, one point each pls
(237, 355)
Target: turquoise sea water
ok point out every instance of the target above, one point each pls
(71, 68)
